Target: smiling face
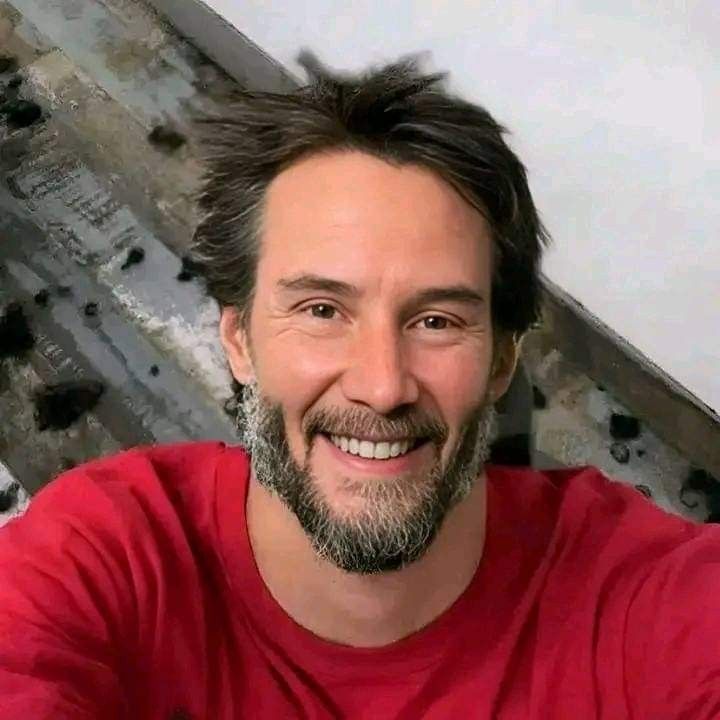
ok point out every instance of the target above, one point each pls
(369, 354)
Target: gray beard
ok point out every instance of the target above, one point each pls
(399, 518)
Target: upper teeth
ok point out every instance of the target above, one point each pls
(367, 449)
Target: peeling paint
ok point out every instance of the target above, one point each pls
(14, 498)
(105, 218)
(575, 430)
(20, 113)
(142, 76)
(186, 327)
(16, 337)
(170, 409)
(59, 405)
(166, 138)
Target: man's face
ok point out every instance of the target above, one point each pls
(369, 355)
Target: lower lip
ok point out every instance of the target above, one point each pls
(391, 466)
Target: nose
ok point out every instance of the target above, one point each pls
(378, 373)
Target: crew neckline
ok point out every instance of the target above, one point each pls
(250, 594)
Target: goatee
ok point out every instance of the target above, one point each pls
(398, 517)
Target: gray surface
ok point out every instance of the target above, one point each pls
(233, 51)
(8, 481)
(76, 192)
(79, 189)
(679, 417)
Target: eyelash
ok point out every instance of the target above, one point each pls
(308, 309)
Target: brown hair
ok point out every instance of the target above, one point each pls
(393, 112)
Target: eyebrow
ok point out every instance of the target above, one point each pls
(316, 283)
(452, 293)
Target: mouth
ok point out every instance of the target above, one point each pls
(377, 456)
(375, 449)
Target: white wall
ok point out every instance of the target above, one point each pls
(615, 109)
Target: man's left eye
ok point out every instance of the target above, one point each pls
(435, 322)
(322, 311)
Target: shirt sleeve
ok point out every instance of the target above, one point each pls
(673, 635)
(62, 592)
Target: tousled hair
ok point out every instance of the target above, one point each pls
(393, 112)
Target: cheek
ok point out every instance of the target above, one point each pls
(457, 380)
(295, 372)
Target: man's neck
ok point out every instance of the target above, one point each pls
(364, 610)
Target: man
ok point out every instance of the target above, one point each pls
(374, 249)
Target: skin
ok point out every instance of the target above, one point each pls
(391, 233)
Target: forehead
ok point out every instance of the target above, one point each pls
(351, 216)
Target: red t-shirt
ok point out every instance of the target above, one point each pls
(129, 590)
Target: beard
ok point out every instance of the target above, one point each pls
(398, 517)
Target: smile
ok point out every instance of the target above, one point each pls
(374, 450)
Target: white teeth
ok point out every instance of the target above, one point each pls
(368, 449)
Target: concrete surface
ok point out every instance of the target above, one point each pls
(82, 186)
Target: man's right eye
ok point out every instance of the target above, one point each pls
(322, 311)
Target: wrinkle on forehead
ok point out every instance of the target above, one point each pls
(354, 188)
(350, 215)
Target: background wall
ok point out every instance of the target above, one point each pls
(613, 107)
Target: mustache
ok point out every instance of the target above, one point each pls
(357, 422)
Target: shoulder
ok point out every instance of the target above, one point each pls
(141, 470)
(584, 506)
(105, 553)
(637, 587)
(589, 536)
(114, 498)
(672, 645)
(587, 527)
(99, 531)
(141, 462)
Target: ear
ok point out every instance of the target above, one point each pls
(236, 343)
(506, 354)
